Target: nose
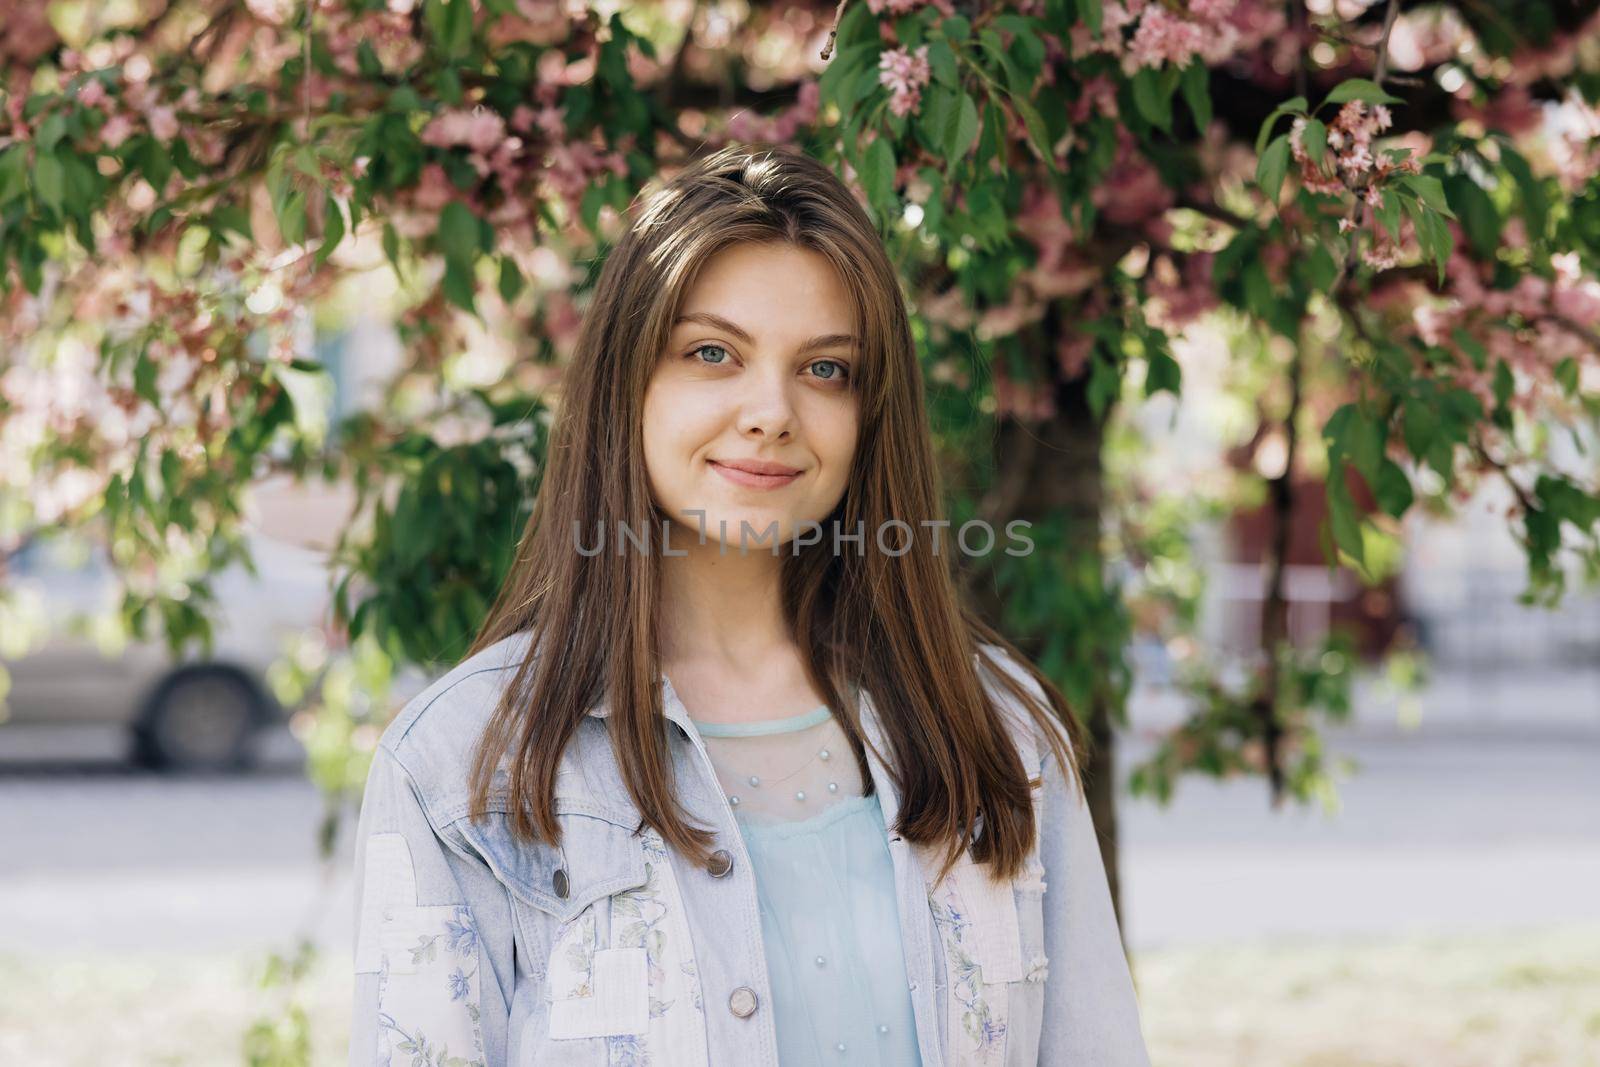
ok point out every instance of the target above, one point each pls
(766, 408)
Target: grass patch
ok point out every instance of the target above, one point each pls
(1505, 1000)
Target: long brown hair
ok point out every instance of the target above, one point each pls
(891, 625)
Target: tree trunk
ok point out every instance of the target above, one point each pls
(1054, 469)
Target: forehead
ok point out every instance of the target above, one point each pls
(772, 288)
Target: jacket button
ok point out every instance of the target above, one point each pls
(558, 882)
(743, 1002)
(720, 863)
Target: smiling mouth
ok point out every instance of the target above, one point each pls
(775, 477)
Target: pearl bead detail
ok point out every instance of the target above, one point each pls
(822, 754)
(754, 780)
(734, 801)
(799, 794)
(833, 787)
(821, 960)
(883, 1028)
(839, 1047)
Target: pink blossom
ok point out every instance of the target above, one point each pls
(1356, 161)
(1073, 350)
(1211, 10)
(118, 128)
(1132, 191)
(434, 189)
(1163, 37)
(904, 73)
(276, 12)
(93, 93)
(1182, 295)
(1060, 267)
(1382, 255)
(25, 33)
(1433, 323)
(479, 129)
(1099, 96)
(163, 123)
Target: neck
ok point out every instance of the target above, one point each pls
(721, 605)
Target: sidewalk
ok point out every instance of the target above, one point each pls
(1454, 700)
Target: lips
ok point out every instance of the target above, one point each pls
(755, 473)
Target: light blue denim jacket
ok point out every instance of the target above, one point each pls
(475, 948)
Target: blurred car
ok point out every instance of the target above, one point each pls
(185, 714)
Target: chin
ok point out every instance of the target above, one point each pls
(718, 521)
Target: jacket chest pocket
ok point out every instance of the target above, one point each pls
(604, 916)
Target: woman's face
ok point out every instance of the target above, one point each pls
(758, 374)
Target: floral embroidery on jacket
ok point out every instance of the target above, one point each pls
(427, 990)
(966, 977)
(651, 918)
(579, 944)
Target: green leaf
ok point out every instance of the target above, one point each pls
(1430, 191)
(1164, 373)
(1435, 239)
(460, 285)
(1566, 374)
(50, 132)
(391, 247)
(1479, 218)
(1038, 135)
(845, 66)
(1104, 383)
(1196, 86)
(1153, 97)
(1420, 426)
(233, 217)
(1314, 139)
(511, 280)
(1272, 166)
(964, 129)
(332, 228)
(13, 173)
(1319, 268)
(1388, 213)
(1362, 89)
(1471, 346)
(1504, 383)
(458, 232)
(1393, 490)
(1090, 11)
(877, 174)
(1535, 199)
(942, 62)
(47, 179)
(145, 374)
(1293, 106)
(291, 213)
(1342, 519)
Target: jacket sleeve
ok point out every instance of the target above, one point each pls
(431, 975)
(1091, 1014)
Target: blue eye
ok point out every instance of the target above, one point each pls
(702, 348)
(841, 372)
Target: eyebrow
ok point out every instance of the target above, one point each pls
(823, 340)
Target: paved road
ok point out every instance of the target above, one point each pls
(1446, 832)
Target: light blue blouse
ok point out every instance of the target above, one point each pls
(830, 925)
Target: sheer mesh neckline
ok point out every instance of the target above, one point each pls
(761, 727)
(788, 769)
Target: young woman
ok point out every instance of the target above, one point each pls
(730, 777)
